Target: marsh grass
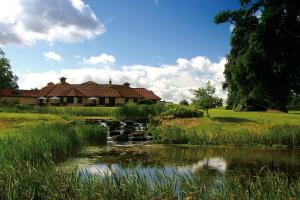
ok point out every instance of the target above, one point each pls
(132, 111)
(48, 183)
(72, 111)
(27, 157)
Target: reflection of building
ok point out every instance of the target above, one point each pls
(89, 93)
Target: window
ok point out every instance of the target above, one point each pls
(79, 100)
(70, 100)
(101, 101)
(126, 100)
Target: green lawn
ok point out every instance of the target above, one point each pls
(227, 127)
(231, 120)
(10, 122)
(13, 118)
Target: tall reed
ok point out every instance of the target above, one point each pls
(132, 111)
(72, 111)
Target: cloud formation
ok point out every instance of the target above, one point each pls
(170, 82)
(53, 56)
(26, 21)
(102, 59)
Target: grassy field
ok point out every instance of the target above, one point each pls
(11, 122)
(226, 127)
(31, 144)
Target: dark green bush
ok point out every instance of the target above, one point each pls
(182, 111)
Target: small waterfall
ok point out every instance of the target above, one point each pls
(108, 137)
(123, 131)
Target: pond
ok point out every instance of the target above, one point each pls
(147, 159)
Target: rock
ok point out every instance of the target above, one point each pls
(120, 137)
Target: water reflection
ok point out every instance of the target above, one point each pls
(218, 164)
(148, 159)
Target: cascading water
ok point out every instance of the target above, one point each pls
(108, 137)
(122, 130)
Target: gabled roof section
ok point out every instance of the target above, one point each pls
(73, 92)
(90, 83)
(147, 94)
(58, 90)
(128, 92)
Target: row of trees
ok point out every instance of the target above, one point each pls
(263, 68)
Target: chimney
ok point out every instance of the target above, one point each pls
(63, 80)
(126, 84)
(110, 82)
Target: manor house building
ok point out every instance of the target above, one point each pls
(86, 94)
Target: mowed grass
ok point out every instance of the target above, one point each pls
(10, 122)
(230, 120)
(16, 117)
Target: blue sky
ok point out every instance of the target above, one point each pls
(136, 33)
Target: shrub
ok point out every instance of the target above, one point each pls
(184, 102)
(181, 111)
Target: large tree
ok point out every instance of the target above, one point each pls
(7, 79)
(263, 67)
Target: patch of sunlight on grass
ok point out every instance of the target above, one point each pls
(11, 122)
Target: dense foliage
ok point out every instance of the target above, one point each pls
(184, 102)
(182, 111)
(263, 67)
(7, 79)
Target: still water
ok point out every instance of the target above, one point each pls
(147, 159)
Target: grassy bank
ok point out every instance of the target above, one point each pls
(226, 127)
(283, 136)
(27, 155)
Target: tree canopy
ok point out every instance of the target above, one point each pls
(205, 97)
(263, 67)
(7, 79)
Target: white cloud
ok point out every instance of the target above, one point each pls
(171, 82)
(26, 21)
(53, 56)
(102, 59)
(231, 27)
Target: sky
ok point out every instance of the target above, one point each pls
(167, 46)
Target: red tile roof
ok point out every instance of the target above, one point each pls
(87, 89)
(147, 94)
